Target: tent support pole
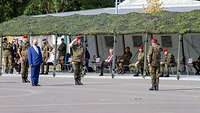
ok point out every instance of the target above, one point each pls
(1, 64)
(55, 58)
(84, 48)
(145, 54)
(178, 59)
(123, 41)
(183, 54)
(114, 52)
(97, 46)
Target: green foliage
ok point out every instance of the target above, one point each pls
(14, 8)
(11, 8)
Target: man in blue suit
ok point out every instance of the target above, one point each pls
(35, 60)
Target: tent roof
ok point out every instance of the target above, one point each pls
(164, 22)
(168, 5)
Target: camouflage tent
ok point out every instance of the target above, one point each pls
(164, 22)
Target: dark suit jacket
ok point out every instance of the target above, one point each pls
(34, 58)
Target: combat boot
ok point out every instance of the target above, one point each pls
(6, 71)
(156, 87)
(11, 71)
(27, 81)
(152, 88)
(23, 80)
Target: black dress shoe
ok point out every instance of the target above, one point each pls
(36, 85)
(101, 75)
(152, 88)
(166, 75)
(136, 75)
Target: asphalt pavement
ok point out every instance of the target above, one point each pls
(123, 94)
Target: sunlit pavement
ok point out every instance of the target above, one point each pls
(123, 94)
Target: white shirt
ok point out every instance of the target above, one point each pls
(36, 49)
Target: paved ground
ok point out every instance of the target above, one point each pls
(98, 95)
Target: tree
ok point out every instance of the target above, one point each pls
(14, 8)
(153, 6)
(11, 8)
(51, 6)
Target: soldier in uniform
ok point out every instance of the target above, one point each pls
(154, 57)
(23, 53)
(46, 49)
(7, 55)
(77, 59)
(62, 53)
(139, 63)
(124, 60)
(166, 63)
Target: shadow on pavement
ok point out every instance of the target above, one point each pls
(182, 89)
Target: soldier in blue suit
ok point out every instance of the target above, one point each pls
(35, 60)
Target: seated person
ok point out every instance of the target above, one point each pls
(139, 63)
(50, 60)
(196, 65)
(124, 60)
(168, 61)
(107, 62)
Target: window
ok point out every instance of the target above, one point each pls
(137, 41)
(166, 41)
(109, 40)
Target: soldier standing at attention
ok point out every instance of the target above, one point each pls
(154, 57)
(7, 55)
(77, 59)
(62, 53)
(46, 49)
(23, 53)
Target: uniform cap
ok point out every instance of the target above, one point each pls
(165, 49)
(154, 40)
(78, 37)
(25, 36)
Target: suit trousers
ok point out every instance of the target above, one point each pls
(35, 71)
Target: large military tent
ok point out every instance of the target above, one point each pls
(178, 24)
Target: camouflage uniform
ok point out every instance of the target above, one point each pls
(61, 54)
(7, 56)
(164, 67)
(139, 64)
(46, 48)
(77, 62)
(123, 60)
(154, 57)
(23, 52)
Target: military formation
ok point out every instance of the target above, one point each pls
(159, 60)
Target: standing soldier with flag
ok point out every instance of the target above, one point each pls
(154, 57)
